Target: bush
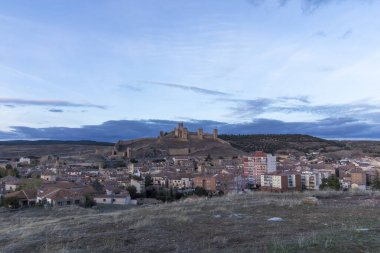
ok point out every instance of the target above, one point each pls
(89, 201)
(132, 191)
(11, 203)
(199, 191)
(331, 182)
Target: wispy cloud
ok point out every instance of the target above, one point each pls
(321, 34)
(256, 107)
(36, 102)
(307, 6)
(188, 88)
(55, 110)
(345, 35)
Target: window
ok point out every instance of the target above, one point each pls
(104, 200)
(59, 203)
(77, 201)
(68, 202)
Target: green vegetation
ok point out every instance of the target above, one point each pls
(31, 184)
(199, 191)
(132, 191)
(97, 186)
(11, 203)
(376, 182)
(89, 201)
(148, 181)
(331, 182)
(8, 171)
(342, 222)
(271, 143)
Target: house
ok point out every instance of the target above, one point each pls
(59, 196)
(25, 160)
(358, 179)
(48, 176)
(10, 183)
(206, 182)
(24, 197)
(116, 199)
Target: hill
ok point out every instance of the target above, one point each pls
(17, 149)
(169, 145)
(283, 143)
(341, 222)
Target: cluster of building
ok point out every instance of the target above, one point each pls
(70, 180)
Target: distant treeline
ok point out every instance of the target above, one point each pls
(56, 142)
(271, 143)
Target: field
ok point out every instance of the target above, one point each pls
(341, 222)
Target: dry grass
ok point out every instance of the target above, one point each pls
(233, 223)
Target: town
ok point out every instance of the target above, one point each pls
(175, 165)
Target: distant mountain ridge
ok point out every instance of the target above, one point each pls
(55, 142)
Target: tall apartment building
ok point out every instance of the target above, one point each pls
(258, 164)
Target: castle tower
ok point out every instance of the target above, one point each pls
(185, 134)
(215, 133)
(128, 153)
(200, 133)
(161, 134)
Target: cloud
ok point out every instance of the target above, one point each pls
(321, 34)
(307, 6)
(55, 110)
(345, 35)
(188, 88)
(32, 102)
(113, 131)
(256, 107)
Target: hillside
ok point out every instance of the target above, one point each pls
(286, 143)
(16, 149)
(341, 222)
(170, 145)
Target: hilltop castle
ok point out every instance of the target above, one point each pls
(183, 133)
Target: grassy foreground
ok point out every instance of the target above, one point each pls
(341, 222)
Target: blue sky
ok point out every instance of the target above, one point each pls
(68, 67)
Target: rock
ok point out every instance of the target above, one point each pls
(276, 219)
(310, 201)
(362, 229)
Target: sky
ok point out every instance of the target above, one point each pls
(122, 69)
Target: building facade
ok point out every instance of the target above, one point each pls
(258, 164)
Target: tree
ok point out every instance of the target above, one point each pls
(376, 182)
(132, 191)
(8, 171)
(97, 186)
(199, 191)
(148, 181)
(133, 160)
(331, 182)
(31, 184)
(11, 203)
(89, 201)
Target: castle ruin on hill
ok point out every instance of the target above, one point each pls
(180, 141)
(183, 133)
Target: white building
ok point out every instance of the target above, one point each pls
(258, 164)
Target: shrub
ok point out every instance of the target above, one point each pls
(199, 191)
(11, 203)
